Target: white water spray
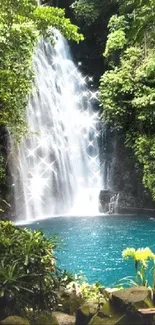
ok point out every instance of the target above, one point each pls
(58, 168)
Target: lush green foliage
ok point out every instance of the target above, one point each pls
(27, 270)
(29, 279)
(117, 37)
(141, 16)
(22, 22)
(141, 258)
(127, 90)
(87, 11)
(92, 16)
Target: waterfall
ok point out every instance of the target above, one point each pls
(57, 170)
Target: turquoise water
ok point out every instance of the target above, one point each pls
(93, 245)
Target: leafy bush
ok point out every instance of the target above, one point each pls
(27, 270)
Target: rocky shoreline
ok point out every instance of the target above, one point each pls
(116, 307)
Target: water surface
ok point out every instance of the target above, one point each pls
(93, 245)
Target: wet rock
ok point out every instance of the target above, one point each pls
(105, 197)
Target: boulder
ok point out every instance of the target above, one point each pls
(85, 313)
(130, 301)
(70, 302)
(46, 318)
(64, 319)
(15, 320)
(139, 297)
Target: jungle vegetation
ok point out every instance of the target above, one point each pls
(22, 23)
(127, 87)
(31, 282)
(121, 33)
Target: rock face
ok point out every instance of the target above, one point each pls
(122, 174)
(113, 202)
(107, 201)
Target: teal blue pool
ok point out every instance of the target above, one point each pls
(93, 245)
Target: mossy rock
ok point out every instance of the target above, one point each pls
(108, 315)
(85, 313)
(130, 300)
(46, 318)
(108, 309)
(140, 297)
(64, 318)
(70, 303)
(97, 320)
(15, 320)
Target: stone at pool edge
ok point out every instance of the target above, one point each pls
(138, 296)
(130, 300)
(121, 309)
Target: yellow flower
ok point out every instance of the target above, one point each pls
(139, 255)
(129, 252)
(143, 254)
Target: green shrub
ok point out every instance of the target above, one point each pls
(27, 270)
(46, 318)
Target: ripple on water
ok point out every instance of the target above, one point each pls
(94, 245)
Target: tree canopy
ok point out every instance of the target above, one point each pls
(127, 88)
(92, 16)
(22, 23)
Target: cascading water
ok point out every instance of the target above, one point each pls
(58, 163)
